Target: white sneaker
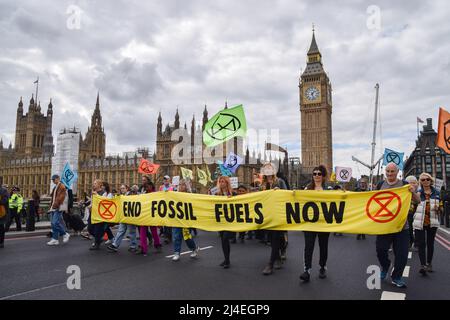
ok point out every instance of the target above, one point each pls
(195, 252)
(66, 238)
(176, 257)
(108, 242)
(53, 242)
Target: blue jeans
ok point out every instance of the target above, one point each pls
(121, 234)
(177, 238)
(58, 228)
(400, 245)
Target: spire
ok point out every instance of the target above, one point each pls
(1, 144)
(39, 107)
(159, 125)
(205, 117)
(31, 106)
(314, 64)
(20, 106)
(226, 104)
(97, 117)
(50, 108)
(185, 126)
(313, 49)
(177, 120)
(97, 104)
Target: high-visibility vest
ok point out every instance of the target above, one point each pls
(16, 201)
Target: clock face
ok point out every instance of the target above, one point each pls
(312, 93)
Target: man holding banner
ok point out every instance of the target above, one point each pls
(399, 240)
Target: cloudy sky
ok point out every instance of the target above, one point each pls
(151, 56)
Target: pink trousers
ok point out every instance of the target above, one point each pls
(143, 238)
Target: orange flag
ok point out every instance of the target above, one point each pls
(146, 167)
(443, 137)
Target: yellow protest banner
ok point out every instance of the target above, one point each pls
(374, 212)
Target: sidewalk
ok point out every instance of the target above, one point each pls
(41, 228)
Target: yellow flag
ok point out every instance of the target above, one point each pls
(187, 174)
(202, 177)
(333, 177)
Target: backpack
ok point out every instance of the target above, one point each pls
(2, 212)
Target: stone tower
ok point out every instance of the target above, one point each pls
(32, 129)
(94, 144)
(315, 110)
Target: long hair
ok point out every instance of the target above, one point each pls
(229, 189)
(107, 187)
(35, 195)
(266, 185)
(324, 172)
(186, 183)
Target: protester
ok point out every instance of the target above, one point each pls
(102, 189)
(412, 210)
(178, 234)
(15, 208)
(58, 206)
(240, 191)
(225, 189)
(36, 198)
(33, 211)
(426, 221)
(148, 187)
(363, 184)
(114, 246)
(399, 240)
(4, 201)
(166, 232)
(277, 238)
(319, 177)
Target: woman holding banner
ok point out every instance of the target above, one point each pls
(277, 238)
(148, 187)
(319, 176)
(178, 234)
(225, 189)
(426, 221)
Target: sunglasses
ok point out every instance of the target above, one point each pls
(426, 179)
(317, 173)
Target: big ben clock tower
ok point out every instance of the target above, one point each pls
(315, 110)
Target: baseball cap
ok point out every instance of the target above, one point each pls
(166, 177)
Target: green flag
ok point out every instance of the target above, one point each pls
(225, 125)
(202, 177)
(186, 173)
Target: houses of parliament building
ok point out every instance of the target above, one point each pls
(28, 164)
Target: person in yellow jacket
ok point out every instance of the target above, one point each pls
(15, 207)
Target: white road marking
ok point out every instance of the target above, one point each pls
(25, 238)
(410, 255)
(183, 253)
(387, 295)
(32, 291)
(406, 272)
(446, 231)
